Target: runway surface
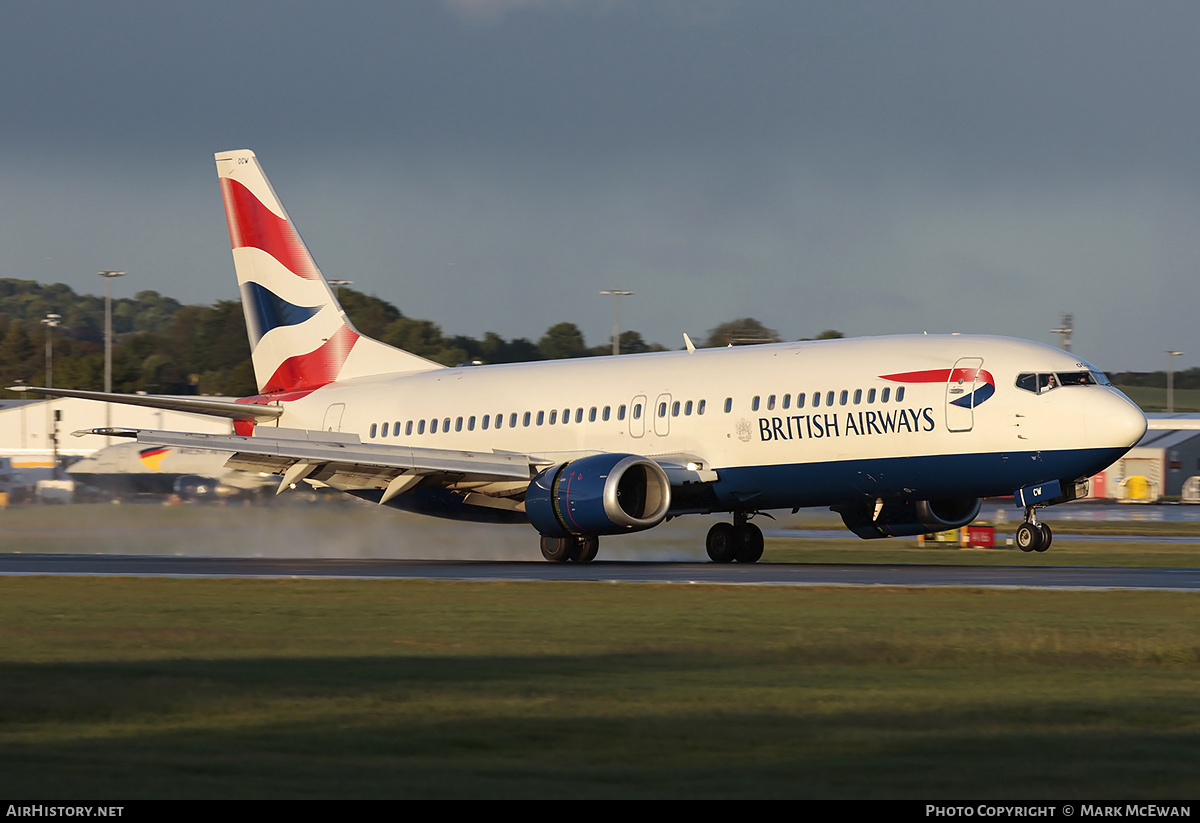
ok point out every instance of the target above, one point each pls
(763, 574)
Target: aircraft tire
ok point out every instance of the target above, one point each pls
(558, 549)
(586, 546)
(1028, 537)
(1047, 537)
(721, 543)
(749, 543)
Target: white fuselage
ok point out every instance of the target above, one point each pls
(792, 424)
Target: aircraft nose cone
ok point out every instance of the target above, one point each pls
(1113, 420)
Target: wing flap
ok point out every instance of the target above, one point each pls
(338, 453)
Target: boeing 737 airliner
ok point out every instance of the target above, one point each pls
(901, 435)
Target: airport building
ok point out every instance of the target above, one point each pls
(29, 430)
(1164, 463)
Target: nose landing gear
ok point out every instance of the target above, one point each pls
(1031, 535)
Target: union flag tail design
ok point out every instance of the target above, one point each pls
(300, 338)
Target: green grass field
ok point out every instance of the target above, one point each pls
(129, 688)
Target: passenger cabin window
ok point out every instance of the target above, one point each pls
(728, 405)
(373, 427)
(700, 407)
(885, 394)
(899, 394)
(800, 400)
(754, 403)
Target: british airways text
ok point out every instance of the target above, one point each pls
(816, 426)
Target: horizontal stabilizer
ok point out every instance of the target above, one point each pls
(192, 405)
(1172, 424)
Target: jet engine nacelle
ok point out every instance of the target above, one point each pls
(599, 494)
(909, 517)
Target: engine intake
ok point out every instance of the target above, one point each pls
(598, 494)
(908, 517)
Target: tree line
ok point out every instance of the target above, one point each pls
(161, 346)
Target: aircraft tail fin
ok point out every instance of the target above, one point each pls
(300, 338)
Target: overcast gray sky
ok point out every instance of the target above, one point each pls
(874, 167)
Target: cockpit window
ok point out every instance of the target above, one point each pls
(1048, 381)
(1077, 378)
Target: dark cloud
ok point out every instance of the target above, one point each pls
(873, 167)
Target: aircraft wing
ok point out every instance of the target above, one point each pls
(342, 460)
(194, 405)
(1172, 424)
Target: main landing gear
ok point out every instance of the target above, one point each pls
(580, 548)
(1033, 536)
(739, 540)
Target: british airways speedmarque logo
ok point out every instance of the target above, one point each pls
(964, 378)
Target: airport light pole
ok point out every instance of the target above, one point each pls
(617, 294)
(1171, 379)
(108, 276)
(51, 322)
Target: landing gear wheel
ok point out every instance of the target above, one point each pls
(749, 543)
(720, 543)
(1029, 538)
(1047, 537)
(558, 549)
(586, 547)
